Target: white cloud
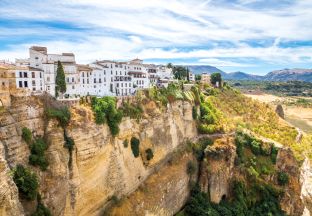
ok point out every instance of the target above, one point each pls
(223, 63)
(161, 29)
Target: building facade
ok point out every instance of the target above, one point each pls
(100, 78)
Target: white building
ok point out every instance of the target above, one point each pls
(191, 77)
(29, 78)
(139, 74)
(101, 78)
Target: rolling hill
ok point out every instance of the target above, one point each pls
(278, 75)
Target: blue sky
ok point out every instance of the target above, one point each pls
(254, 36)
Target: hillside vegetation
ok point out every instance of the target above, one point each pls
(238, 111)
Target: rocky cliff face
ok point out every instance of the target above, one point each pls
(306, 190)
(103, 170)
(218, 170)
(169, 187)
(102, 167)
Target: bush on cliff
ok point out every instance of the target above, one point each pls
(258, 199)
(41, 209)
(149, 154)
(26, 182)
(135, 146)
(61, 114)
(282, 178)
(105, 111)
(26, 135)
(132, 110)
(37, 156)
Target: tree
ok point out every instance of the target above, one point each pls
(169, 65)
(26, 182)
(180, 72)
(197, 77)
(60, 84)
(188, 74)
(215, 77)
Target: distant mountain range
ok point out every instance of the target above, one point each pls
(278, 75)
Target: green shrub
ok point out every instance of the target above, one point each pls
(69, 144)
(239, 142)
(191, 168)
(207, 129)
(62, 115)
(252, 172)
(26, 135)
(258, 199)
(255, 147)
(194, 113)
(135, 146)
(132, 110)
(26, 182)
(149, 154)
(37, 156)
(41, 210)
(105, 111)
(125, 143)
(282, 178)
(199, 148)
(274, 152)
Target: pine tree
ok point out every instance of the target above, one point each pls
(60, 84)
(187, 74)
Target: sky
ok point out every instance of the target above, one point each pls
(253, 36)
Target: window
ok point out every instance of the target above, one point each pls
(34, 88)
(117, 85)
(48, 79)
(33, 82)
(20, 84)
(40, 75)
(25, 84)
(67, 79)
(36, 58)
(20, 74)
(25, 74)
(73, 79)
(104, 72)
(100, 81)
(33, 75)
(73, 87)
(48, 88)
(94, 80)
(121, 84)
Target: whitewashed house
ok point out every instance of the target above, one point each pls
(139, 74)
(101, 78)
(29, 78)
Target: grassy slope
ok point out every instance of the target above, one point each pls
(239, 110)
